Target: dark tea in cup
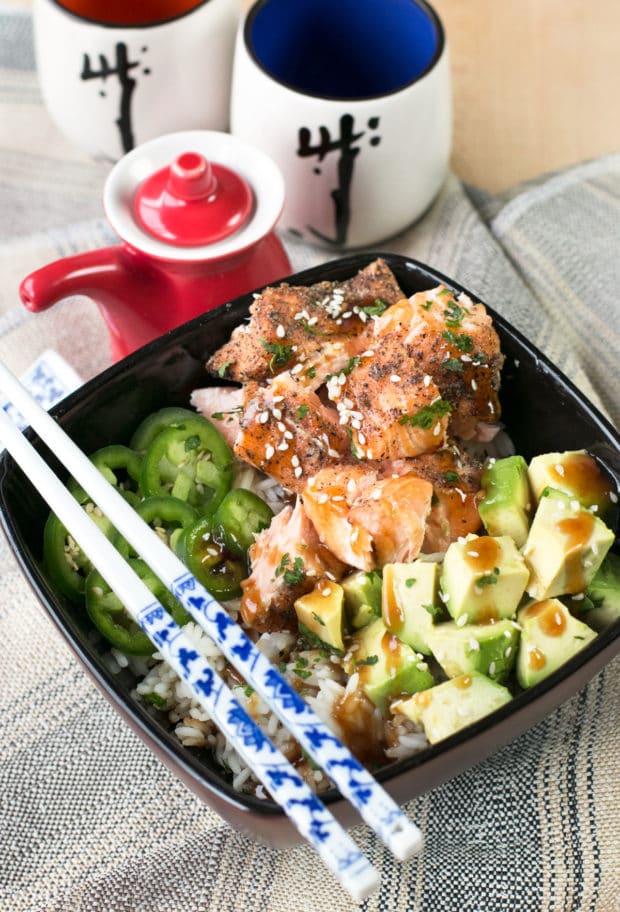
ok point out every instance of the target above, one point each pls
(129, 12)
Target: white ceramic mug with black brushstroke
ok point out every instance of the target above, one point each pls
(352, 100)
(115, 73)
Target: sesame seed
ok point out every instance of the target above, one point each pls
(473, 554)
(269, 451)
(296, 368)
(474, 385)
(613, 497)
(427, 380)
(578, 596)
(280, 331)
(277, 414)
(295, 461)
(395, 378)
(322, 498)
(288, 435)
(337, 498)
(462, 621)
(559, 468)
(360, 436)
(334, 453)
(278, 399)
(507, 651)
(281, 426)
(283, 446)
(491, 408)
(492, 668)
(437, 429)
(263, 417)
(474, 645)
(297, 472)
(368, 453)
(466, 358)
(368, 353)
(356, 425)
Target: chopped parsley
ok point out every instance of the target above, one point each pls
(302, 411)
(351, 364)
(291, 574)
(427, 305)
(219, 416)
(462, 341)
(453, 314)
(369, 660)
(432, 609)
(489, 580)
(428, 415)
(222, 370)
(248, 690)
(280, 354)
(311, 372)
(453, 364)
(451, 477)
(318, 619)
(158, 701)
(354, 450)
(446, 291)
(410, 582)
(374, 310)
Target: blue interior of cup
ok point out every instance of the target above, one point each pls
(348, 49)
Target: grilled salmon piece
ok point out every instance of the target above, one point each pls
(390, 410)
(300, 328)
(365, 519)
(452, 340)
(287, 432)
(287, 561)
(456, 479)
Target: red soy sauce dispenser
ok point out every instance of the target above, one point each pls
(195, 212)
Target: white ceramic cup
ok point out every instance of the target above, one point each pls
(351, 98)
(111, 87)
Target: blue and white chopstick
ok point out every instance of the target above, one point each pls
(355, 783)
(288, 789)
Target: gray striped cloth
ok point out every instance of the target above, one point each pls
(89, 819)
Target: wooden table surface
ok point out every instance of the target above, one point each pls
(534, 81)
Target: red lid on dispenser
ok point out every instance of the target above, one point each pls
(193, 202)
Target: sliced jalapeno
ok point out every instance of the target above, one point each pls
(65, 562)
(239, 517)
(154, 424)
(112, 620)
(167, 515)
(119, 464)
(192, 462)
(210, 560)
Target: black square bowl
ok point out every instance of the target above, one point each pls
(543, 412)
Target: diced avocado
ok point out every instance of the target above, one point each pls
(483, 579)
(453, 705)
(565, 546)
(506, 505)
(490, 649)
(385, 664)
(576, 474)
(599, 606)
(550, 636)
(320, 614)
(409, 601)
(362, 597)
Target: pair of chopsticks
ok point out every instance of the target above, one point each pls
(287, 788)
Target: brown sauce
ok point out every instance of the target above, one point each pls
(582, 475)
(423, 698)
(487, 615)
(393, 615)
(577, 530)
(482, 554)
(463, 682)
(536, 659)
(355, 714)
(390, 647)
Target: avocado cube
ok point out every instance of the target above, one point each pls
(362, 597)
(386, 666)
(483, 579)
(602, 597)
(451, 706)
(574, 473)
(506, 505)
(550, 636)
(320, 615)
(409, 601)
(565, 547)
(490, 649)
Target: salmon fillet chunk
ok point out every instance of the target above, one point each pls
(302, 328)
